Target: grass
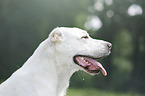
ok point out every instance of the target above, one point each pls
(95, 92)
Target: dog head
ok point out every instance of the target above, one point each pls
(76, 49)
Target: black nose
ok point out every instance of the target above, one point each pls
(109, 45)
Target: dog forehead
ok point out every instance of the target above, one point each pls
(73, 31)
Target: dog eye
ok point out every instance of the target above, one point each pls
(85, 37)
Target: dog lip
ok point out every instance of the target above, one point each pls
(89, 56)
(89, 64)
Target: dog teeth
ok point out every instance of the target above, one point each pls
(89, 63)
(85, 60)
(82, 58)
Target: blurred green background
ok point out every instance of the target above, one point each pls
(26, 23)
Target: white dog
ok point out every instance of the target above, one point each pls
(48, 70)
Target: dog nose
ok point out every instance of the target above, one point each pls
(109, 45)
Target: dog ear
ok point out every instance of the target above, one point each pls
(56, 35)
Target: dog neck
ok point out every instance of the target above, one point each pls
(48, 69)
(63, 79)
(64, 74)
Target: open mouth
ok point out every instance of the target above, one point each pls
(89, 64)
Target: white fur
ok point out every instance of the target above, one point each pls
(48, 70)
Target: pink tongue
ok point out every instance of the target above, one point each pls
(96, 65)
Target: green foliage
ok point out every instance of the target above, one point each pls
(123, 48)
(96, 92)
(123, 45)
